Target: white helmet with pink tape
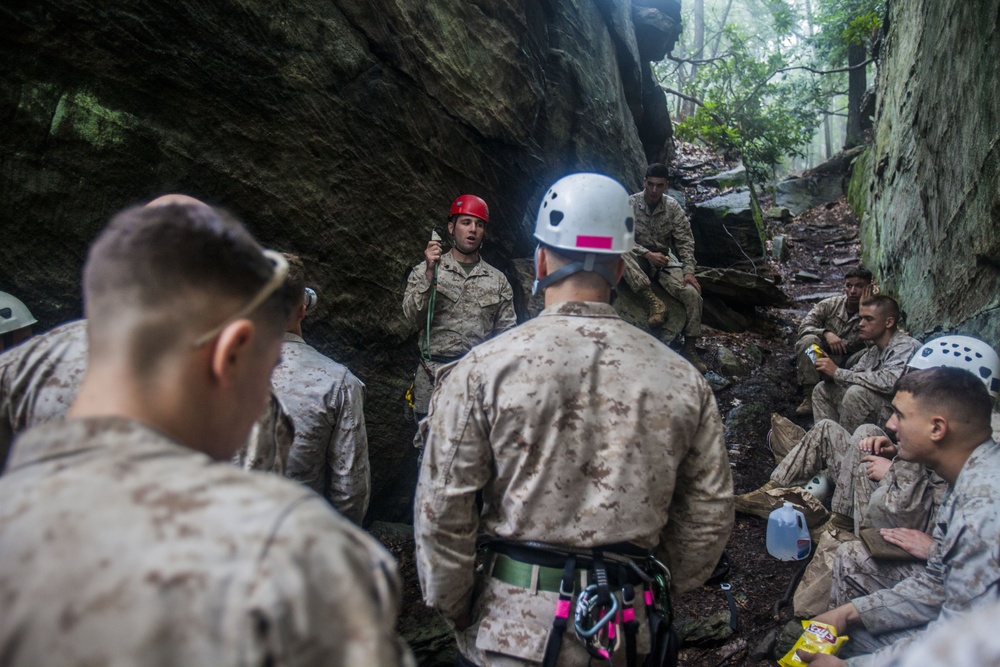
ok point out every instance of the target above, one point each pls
(583, 216)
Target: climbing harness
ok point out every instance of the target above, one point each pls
(600, 617)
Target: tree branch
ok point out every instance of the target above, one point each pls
(692, 61)
(689, 98)
(821, 71)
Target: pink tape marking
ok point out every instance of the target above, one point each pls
(628, 615)
(604, 654)
(649, 598)
(611, 631)
(598, 242)
(562, 609)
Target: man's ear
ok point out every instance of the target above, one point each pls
(300, 313)
(541, 263)
(890, 322)
(619, 270)
(938, 429)
(231, 348)
(451, 226)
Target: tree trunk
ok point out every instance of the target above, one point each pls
(856, 86)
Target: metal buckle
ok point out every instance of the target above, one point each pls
(726, 586)
(585, 605)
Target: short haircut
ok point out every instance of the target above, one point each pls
(657, 170)
(958, 392)
(884, 305)
(295, 282)
(165, 272)
(859, 272)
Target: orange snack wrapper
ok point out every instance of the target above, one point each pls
(816, 638)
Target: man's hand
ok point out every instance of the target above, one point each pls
(432, 255)
(869, 291)
(879, 445)
(657, 259)
(876, 467)
(819, 659)
(840, 618)
(911, 541)
(692, 281)
(835, 342)
(825, 366)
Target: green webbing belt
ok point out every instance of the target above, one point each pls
(516, 573)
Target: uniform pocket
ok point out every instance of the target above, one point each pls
(508, 636)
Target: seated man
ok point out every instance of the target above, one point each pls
(860, 395)
(15, 321)
(942, 418)
(124, 541)
(832, 324)
(327, 405)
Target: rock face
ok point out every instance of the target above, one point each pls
(339, 130)
(725, 233)
(931, 229)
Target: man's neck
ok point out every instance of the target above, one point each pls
(463, 258)
(884, 339)
(295, 328)
(556, 294)
(852, 308)
(953, 461)
(652, 206)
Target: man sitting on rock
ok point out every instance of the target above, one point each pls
(661, 226)
(861, 394)
(833, 325)
(942, 419)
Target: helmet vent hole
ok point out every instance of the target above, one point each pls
(629, 223)
(554, 195)
(984, 372)
(927, 352)
(555, 217)
(6, 313)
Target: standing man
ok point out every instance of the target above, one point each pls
(834, 325)
(585, 435)
(469, 301)
(942, 419)
(861, 394)
(661, 226)
(125, 536)
(326, 403)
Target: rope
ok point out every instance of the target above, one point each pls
(425, 346)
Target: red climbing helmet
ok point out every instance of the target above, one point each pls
(470, 205)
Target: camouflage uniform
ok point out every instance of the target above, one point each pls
(580, 430)
(39, 380)
(468, 309)
(827, 315)
(330, 452)
(970, 639)
(906, 497)
(862, 394)
(120, 546)
(658, 231)
(963, 568)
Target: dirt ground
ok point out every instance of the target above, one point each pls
(823, 241)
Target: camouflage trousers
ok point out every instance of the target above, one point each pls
(849, 405)
(672, 281)
(856, 574)
(512, 625)
(830, 447)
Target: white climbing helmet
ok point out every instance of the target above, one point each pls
(586, 214)
(965, 352)
(819, 486)
(14, 315)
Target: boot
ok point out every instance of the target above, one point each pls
(836, 521)
(806, 406)
(757, 503)
(657, 309)
(690, 353)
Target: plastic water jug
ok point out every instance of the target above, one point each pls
(787, 534)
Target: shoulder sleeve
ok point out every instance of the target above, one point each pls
(416, 295)
(814, 322)
(325, 593)
(347, 451)
(683, 236)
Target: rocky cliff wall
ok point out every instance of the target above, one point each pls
(340, 130)
(931, 228)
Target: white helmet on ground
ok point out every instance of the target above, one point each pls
(583, 216)
(14, 315)
(965, 352)
(819, 486)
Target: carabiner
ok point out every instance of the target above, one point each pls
(585, 605)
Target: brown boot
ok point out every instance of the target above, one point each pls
(806, 406)
(690, 352)
(657, 309)
(836, 521)
(758, 503)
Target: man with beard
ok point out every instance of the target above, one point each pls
(469, 301)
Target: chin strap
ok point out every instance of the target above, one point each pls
(589, 263)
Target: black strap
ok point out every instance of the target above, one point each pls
(561, 619)
(727, 588)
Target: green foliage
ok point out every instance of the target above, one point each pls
(843, 23)
(751, 110)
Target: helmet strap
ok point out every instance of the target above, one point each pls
(589, 263)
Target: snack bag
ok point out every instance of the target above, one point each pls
(814, 352)
(816, 638)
